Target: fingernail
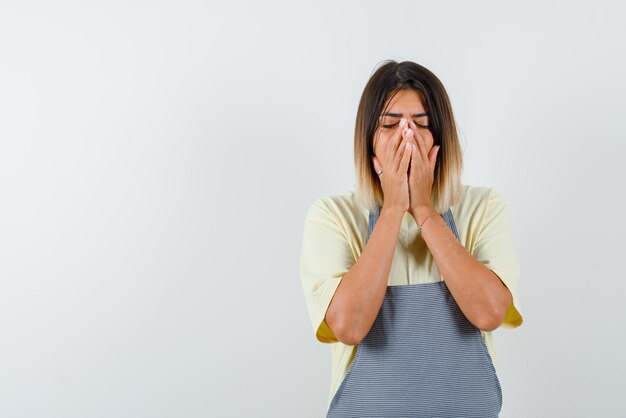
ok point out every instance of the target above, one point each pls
(402, 122)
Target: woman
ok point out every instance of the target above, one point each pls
(408, 275)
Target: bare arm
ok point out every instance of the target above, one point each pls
(478, 291)
(360, 293)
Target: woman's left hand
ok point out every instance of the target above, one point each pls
(421, 168)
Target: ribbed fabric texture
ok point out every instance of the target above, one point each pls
(421, 358)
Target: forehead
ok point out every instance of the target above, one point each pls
(406, 101)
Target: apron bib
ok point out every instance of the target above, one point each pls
(421, 358)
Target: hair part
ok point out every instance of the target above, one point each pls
(386, 81)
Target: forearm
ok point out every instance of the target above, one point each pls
(479, 292)
(361, 292)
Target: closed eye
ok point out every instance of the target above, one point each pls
(419, 125)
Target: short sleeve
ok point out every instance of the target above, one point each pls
(325, 257)
(495, 249)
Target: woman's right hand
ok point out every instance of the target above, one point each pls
(392, 154)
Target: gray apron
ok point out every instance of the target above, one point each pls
(421, 358)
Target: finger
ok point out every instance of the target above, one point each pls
(395, 140)
(420, 140)
(396, 137)
(385, 148)
(411, 141)
(406, 158)
(379, 140)
(404, 145)
(432, 157)
(411, 137)
(414, 155)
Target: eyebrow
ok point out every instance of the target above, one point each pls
(399, 115)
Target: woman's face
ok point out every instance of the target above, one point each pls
(407, 104)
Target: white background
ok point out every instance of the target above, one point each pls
(157, 160)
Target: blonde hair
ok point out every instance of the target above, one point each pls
(385, 82)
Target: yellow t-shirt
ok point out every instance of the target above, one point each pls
(335, 229)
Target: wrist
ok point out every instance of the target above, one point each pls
(420, 213)
(395, 213)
